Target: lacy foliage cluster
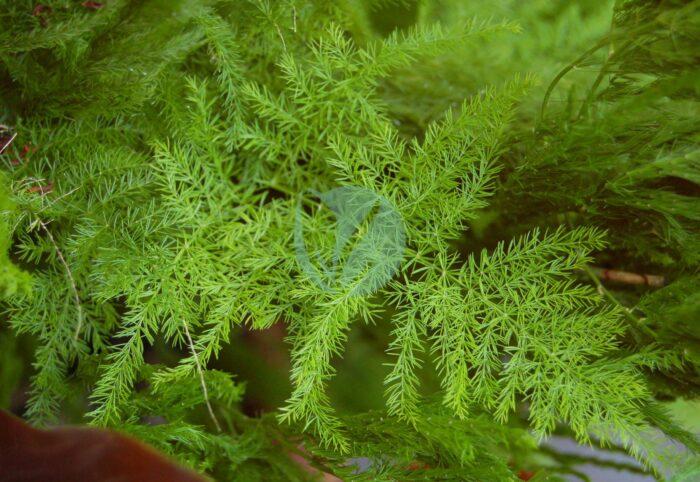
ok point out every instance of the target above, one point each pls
(168, 144)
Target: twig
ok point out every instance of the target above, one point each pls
(200, 372)
(58, 199)
(7, 144)
(264, 7)
(629, 278)
(279, 32)
(69, 273)
(198, 365)
(636, 322)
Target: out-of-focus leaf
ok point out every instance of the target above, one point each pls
(77, 454)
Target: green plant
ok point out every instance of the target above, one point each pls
(152, 213)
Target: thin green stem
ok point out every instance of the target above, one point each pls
(634, 321)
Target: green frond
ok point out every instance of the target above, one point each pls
(395, 240)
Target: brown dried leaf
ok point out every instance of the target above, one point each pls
(80, 454)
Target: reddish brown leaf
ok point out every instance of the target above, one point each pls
(43, 189)
(306, 465)
(41, 12)
(92, 5)
(416, 465)
(525, 474)
(41, 9)
(6, 138)
(80, 454)
(26, 150)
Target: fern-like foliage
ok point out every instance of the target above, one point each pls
(170, 149)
